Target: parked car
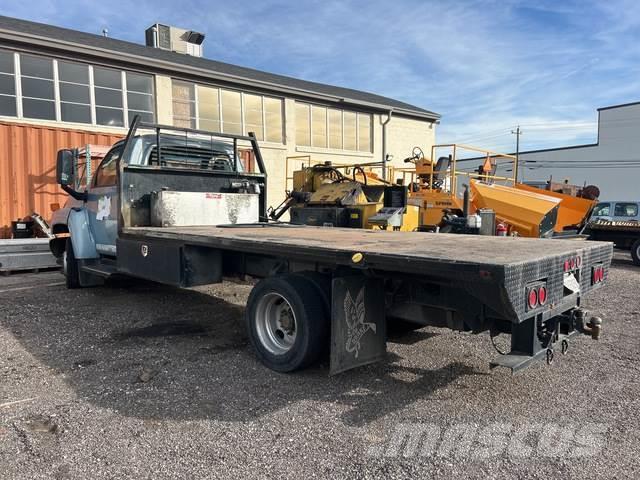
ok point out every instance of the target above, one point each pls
(624, 211)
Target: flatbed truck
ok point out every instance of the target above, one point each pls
(624, 234)
(175, 206)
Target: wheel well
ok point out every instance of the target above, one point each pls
(57, 245)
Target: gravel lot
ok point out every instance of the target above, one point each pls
(145, 381)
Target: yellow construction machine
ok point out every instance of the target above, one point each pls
(353, 196)
(490, 188)
(426, 196)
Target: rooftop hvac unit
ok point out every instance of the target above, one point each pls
(174, 39)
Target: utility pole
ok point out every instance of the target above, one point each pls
(516, 168)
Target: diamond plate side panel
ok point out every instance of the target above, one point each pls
(551, 269)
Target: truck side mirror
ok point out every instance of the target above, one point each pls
(65, 174)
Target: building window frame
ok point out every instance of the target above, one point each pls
(243, 122)
(17, 56)
(358, 114)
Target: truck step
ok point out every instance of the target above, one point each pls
(101, 270)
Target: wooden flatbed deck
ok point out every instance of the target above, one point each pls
(388, 250)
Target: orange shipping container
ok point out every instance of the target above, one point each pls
(28, 168)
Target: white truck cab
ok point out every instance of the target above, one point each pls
(624, 211)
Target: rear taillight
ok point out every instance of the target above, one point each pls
(536, 295)
(532, 299)
(572, 264)
(542, 295)
(597, 274)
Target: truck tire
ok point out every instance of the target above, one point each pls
(70, 266)
(322, 283)
(635, 252)
(287, 323)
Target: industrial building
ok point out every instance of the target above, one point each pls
(612, 162)
(62, 88)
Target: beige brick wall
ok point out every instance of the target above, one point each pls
(403, 134)
(164, 106)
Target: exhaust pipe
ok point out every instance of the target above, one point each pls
(465, 200)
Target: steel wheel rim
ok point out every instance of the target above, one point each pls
(275, 323)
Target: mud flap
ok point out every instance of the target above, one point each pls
(358, 326)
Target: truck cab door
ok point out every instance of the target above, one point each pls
(102, 203)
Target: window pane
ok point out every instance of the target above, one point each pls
(36, 67)
(349, 130)
(140, 101)
(253, 115)
(601, 209)
(273, 114)
(73, 72)
(319, 126)
(182, 91)
(364, 132)
(625, 210)
(184, 122)
(6, 62)
(144, 116)
(335, 128)
(183, 104)
(303, 135)
(139, 83)
(7, 106)
(37, 88)
(43, 109)
(210, 125)
(107, 170)
(70, 92)
(231, 112)
(183, 109)
(109, 116)
(108, 98)
(7, 84)
(105, 77)
(209, 104)
(75, 113)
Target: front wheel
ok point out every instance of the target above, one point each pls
(70, 266)
(287, 322)
(635, 252)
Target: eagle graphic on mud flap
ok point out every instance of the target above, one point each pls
(356, 326)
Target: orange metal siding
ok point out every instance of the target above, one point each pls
(28, 168)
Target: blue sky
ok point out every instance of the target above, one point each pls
(486, 66)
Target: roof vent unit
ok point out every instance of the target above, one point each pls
(174, 39)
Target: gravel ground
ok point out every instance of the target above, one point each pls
(145, 381)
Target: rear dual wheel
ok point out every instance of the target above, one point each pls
(287, 322)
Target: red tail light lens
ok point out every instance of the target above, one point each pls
(572, 263)
(597, 274)
(542, 295)
(532, 299)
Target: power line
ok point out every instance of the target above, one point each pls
(582, 167)
(608, 160)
